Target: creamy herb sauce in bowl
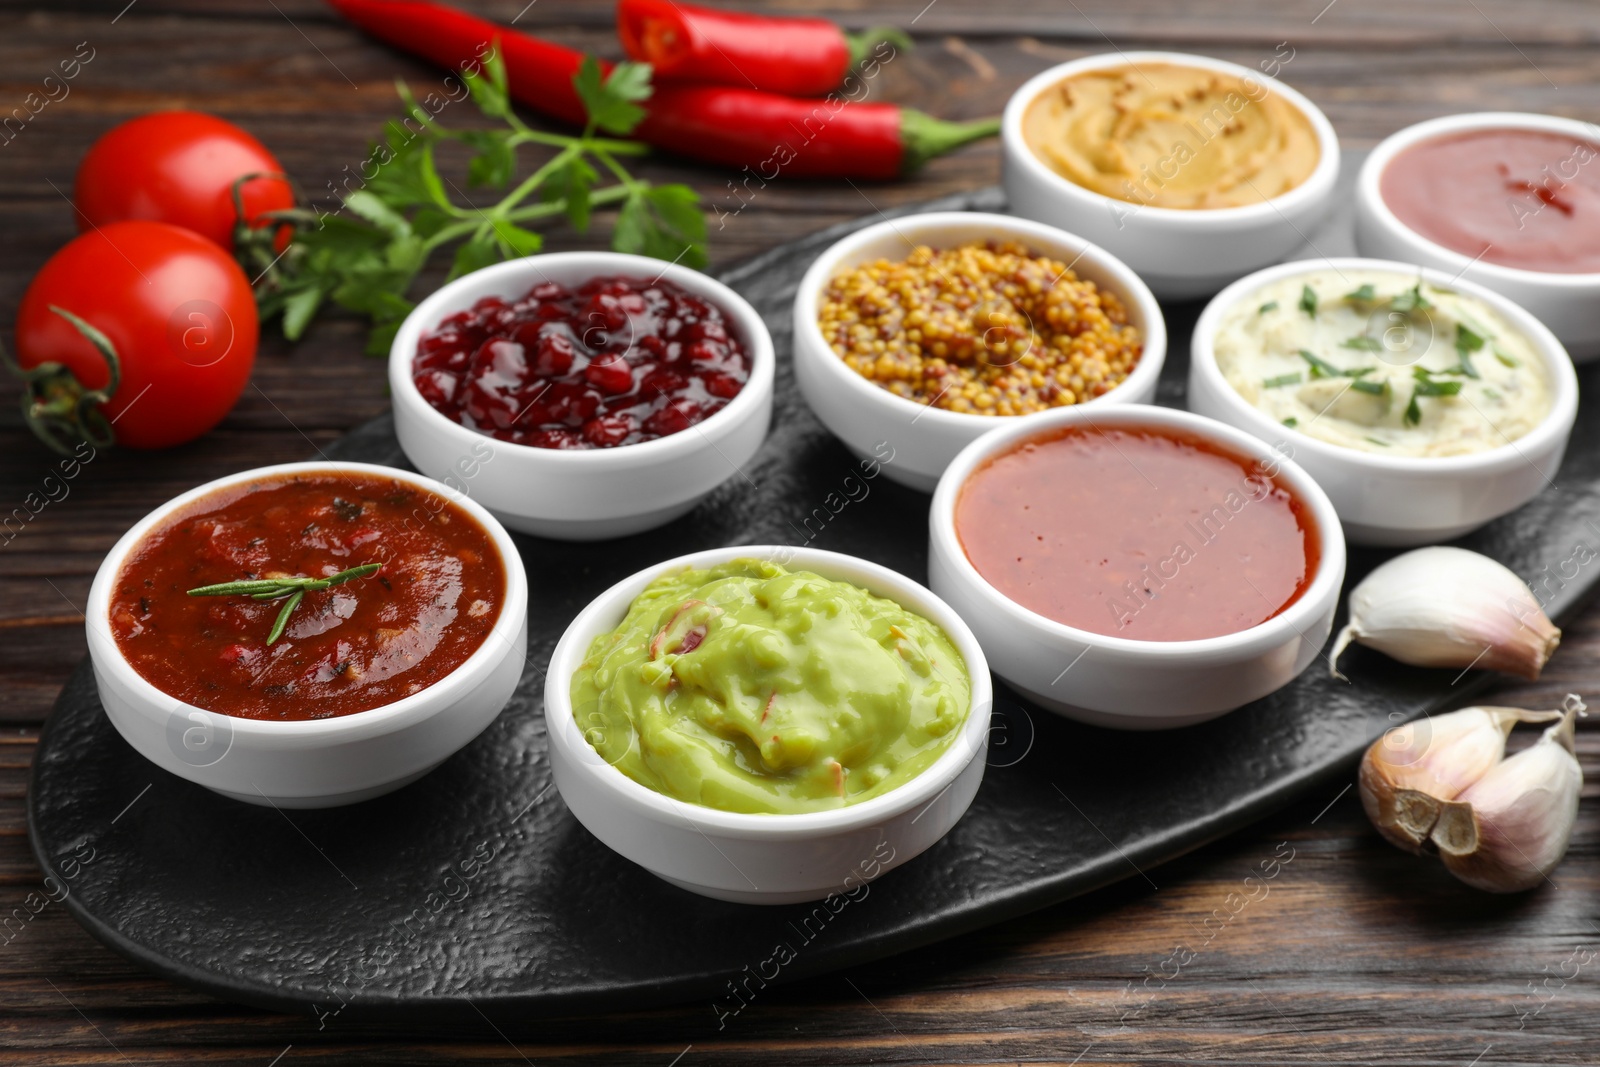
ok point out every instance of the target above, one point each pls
(1384, 362)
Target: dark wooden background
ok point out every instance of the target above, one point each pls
(1357, 954)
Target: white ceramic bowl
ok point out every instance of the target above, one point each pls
(1115, 681)
(1180, 253)
(596, 493)
(1400, 500)
(914, 441)
(765, 859)
(320, 763)
(1567, 303)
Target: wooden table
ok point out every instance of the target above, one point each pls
(1358, 954)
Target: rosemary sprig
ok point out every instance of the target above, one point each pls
(294, 589)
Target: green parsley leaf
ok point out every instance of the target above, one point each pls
(1308, 301)
(475, 254)
(1413, 413)
(298, 308)
(495, 160)
(1282, 380)
(663, 222)
(514, 241)
(612, 103)
(572, 185)
(1270, 305)
(378, 212)
(1291, 422)
(1362, 343)
(1505, 358)
(1370, 388)
(1364, 295)
(490, 86)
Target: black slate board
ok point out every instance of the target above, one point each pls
(475, 891)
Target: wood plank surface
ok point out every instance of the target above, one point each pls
(1356, 954)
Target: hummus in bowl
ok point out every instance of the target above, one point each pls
(1173, 136)
(1192, 170)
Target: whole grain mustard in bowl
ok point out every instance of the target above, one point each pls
(1193, 170)
(914, 336)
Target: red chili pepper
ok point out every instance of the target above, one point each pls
(764, 132)
(794, 56)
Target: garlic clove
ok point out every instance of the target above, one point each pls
(1509, 829)
(1447, 607)
(1408, 772)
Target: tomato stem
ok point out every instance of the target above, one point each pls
(256, 246)
(55, 404)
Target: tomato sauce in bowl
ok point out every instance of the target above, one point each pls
(1522, 198)
(1141, 533)
(353, 647)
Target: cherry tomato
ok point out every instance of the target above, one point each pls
(179, 167)
(176, 308)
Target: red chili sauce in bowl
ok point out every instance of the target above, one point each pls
(1146, 534)
(1528, 199)
(349, 648)
(613, 362)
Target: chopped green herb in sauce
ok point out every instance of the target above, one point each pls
(1411, 300)
(1308, 301)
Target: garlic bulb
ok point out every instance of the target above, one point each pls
(1447, 607)
(1440, 785)
(1510, 828)
(1411, 770)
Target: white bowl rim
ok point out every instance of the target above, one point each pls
(429, 313)
(1318, 183)
(1557, 422)
(1325, 584)
(341, 728)
(825, 267)
(924, 788)
(1367, 187)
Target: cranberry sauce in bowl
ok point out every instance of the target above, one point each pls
(555, 390)
(612, 361)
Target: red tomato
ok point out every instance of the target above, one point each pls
(178, 310)
(179, 167)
